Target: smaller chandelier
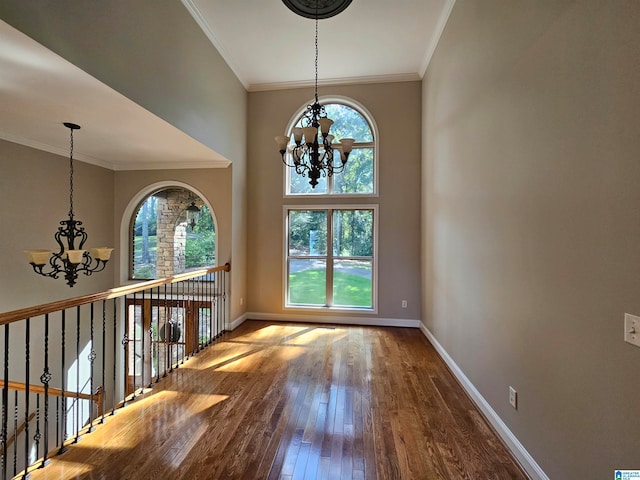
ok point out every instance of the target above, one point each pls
(70, 259)
(312, 152)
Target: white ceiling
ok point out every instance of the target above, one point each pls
(265, 44)
(268, 46)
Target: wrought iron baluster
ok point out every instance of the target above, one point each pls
(218, 301)
(134, 345)
(150, 385)
(125, 342)
(37, 436)
(5, 402)
(27, 349)
(168, 336)
(45, 378)
(166, 316)
(212, 302)
(15, 434)
(142, 335)
(77, 400)
(92, 358)
(57, 419)
(185, 322)
(115, 329)
(157, 344)
(104, 359)
(224, 299)
(199, 311)
(63, 447)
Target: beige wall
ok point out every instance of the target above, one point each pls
(34, 198)
(531, 221)
(395, 107)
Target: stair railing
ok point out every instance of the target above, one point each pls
(69, 364)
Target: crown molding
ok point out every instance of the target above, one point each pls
(177, 165)
(116, 166)
(200, 20)
(442, 22)
(63, 152)
(402, 77)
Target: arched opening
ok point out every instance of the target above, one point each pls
(172, 231)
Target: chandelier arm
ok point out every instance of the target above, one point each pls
(39, 269)
(87, 269)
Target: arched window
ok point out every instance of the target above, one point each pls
(172, 232)
(358, 177)
(330, 243)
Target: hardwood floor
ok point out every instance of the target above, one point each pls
(297, 401)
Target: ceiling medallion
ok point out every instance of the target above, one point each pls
(325, 8)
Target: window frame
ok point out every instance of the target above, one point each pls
(357, 145)
(330, 258)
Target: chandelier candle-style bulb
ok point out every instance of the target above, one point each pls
(282, 142)
(71, 258)
(325, 125)
(38, 257)
(309, 134)
(101, 253)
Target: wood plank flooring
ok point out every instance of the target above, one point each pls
(297, 401)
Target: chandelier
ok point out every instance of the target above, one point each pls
(71, 259)
(311, 153)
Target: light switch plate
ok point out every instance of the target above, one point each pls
(632, 329)
(513, 397)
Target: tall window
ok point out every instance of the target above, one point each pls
(165, 240)
(331, 247)
(330, 257)
(359, 174)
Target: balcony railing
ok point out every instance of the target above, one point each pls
(67, 365)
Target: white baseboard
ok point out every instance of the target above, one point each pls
(237, 322)
(337, 319)
(513, 444)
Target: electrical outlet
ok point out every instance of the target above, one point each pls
(404, 304)
(632, 329)
(241, 301)
(513, 397)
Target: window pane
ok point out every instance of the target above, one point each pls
(144, 242)
(353, 233)
(307, 232)
(307, 282)
(299, 185)
(348, 123)
(352, 283)
(357, 176)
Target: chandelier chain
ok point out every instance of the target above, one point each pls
(316, 65)
(71, 174)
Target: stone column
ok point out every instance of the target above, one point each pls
(171, 232)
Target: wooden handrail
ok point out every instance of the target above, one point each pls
(29, 312)
(56, 392)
